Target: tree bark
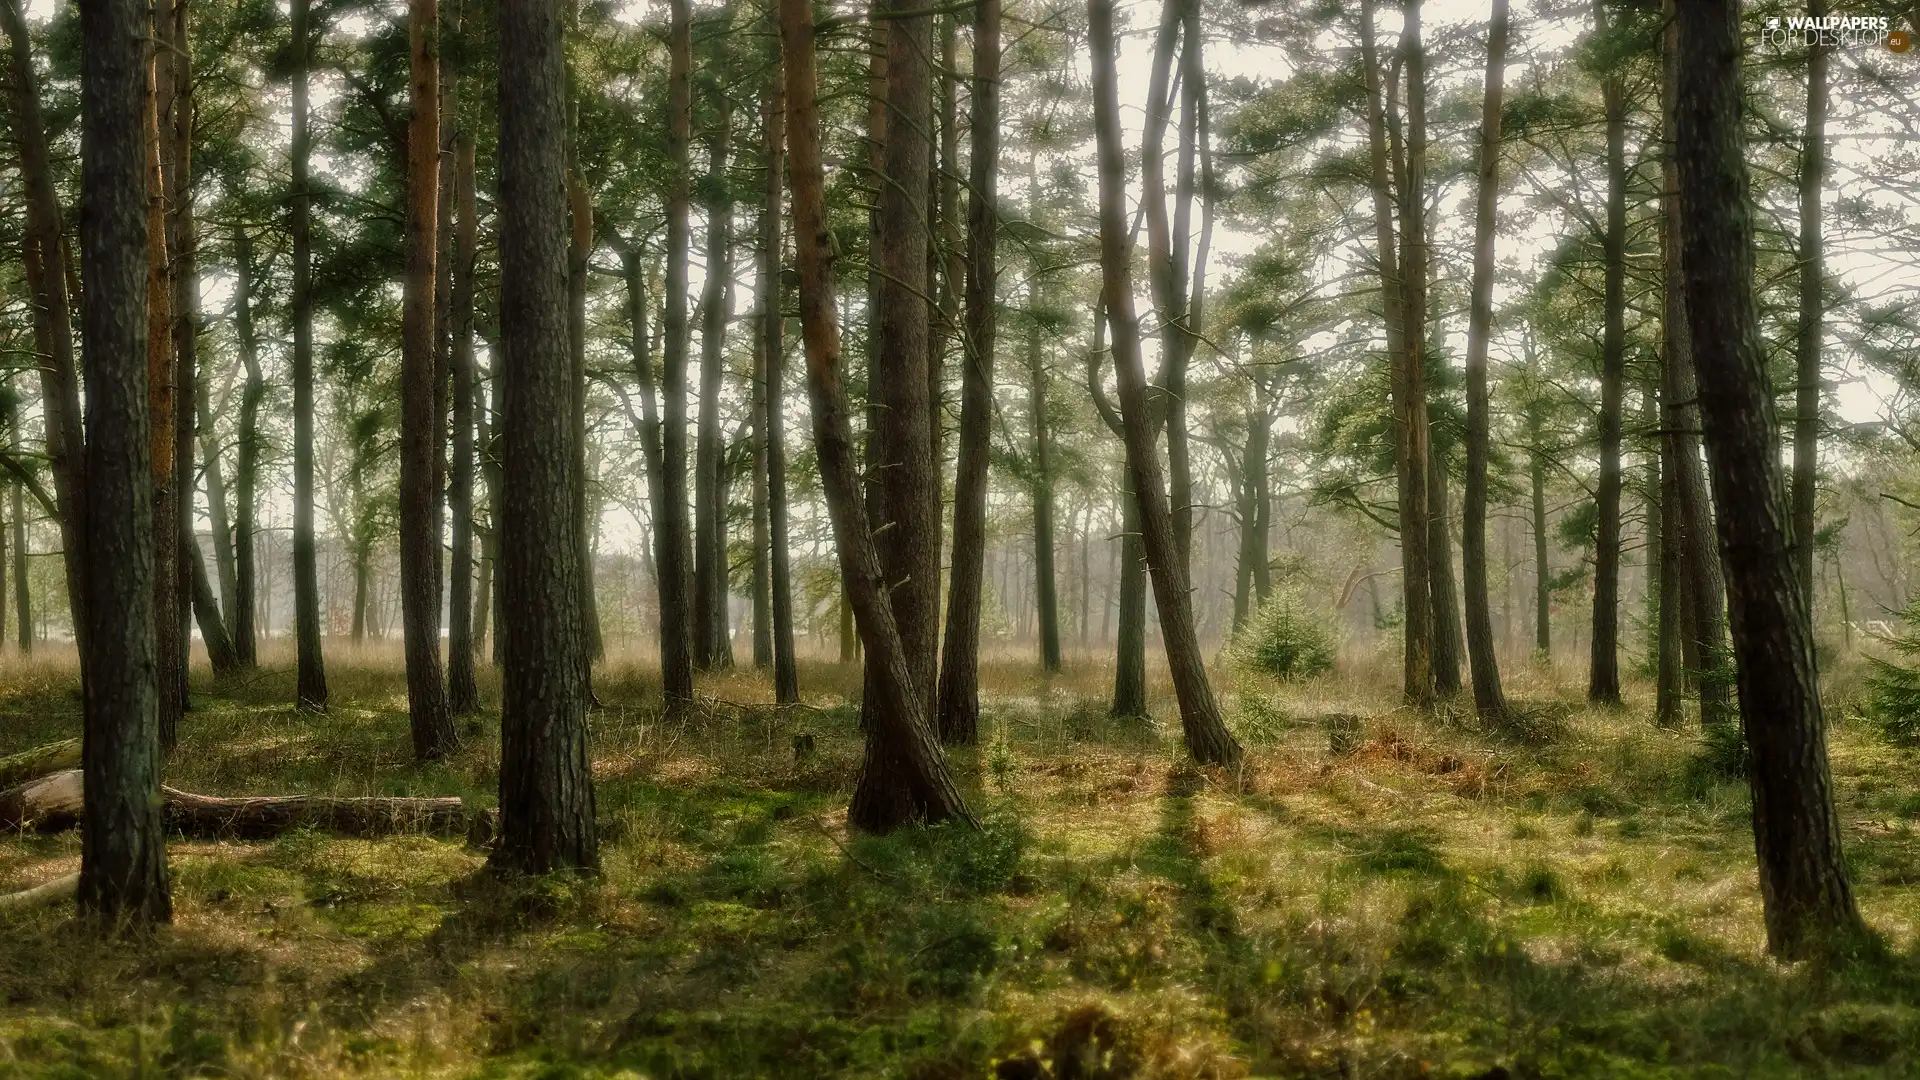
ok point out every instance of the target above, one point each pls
(1207, 737)
(45, 260)
(1669, 668)
(1542, 575)
(1489, 698)
(22, 590)
(206, 611)
(463, 694)
(674, 557)
(901, 717)
(959, 690)
(1603, 673)
(123, 859)
(766, 296)
(1448, 649)
(712, 635)
(579, 254)
(247, 461)
(546, 784)
(1807, 901)
(1045, 592)
(1806, 427)
(1130, 647)
(169, 599)
(422, 428)
(311, 691)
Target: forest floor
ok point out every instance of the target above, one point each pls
(1388, 895)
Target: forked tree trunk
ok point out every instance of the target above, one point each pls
(463, 694)
(546, 784)
(45, 260)
(901, 717)
(712, 636)
(1806, 425)
(1488, 696)
(1207, 737)
(1807, 901)
(123, 856)
(670, 528)
(311, 687)
(959, 707)
(1603, 675)
(422, 425)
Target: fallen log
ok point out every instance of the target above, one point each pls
(57, 889)
(54, 802)
(38, 762)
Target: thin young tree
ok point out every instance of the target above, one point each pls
(713, 638)
(1488, 696)
(463, 694)
(959, 704)
(246, 470)
(901, 718)
(673, 556)
(1807, 901)
(1045, 590)
(123, 855)
(1603, 673)
(311, 686)
(1207, 737)
(546, 785)
(771, 418)
(1807, 344)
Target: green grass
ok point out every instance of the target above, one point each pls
(1391, 894)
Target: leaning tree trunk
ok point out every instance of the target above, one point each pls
(1488, 696)
(1207, 737)
(1703, 588)
(422, 425)
(206, 610)
(463, 693)
(546, 784)
(959, 709)
(123, 855)
(907, 521)
(713, 638)
(219, 522)
(311, 691)
(670, 529)
(1807, 901)
(1603, 676)
(901, 717)
(46, 263)
(1806, 425)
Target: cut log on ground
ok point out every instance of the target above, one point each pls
(38, 762)
(58, 889)
(54, 802)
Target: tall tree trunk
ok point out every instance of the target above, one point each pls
(1669, 672)
(1488, 696)
(907, 522)
(900, 720)
(1542, 575)
(1447, 645)
(219, 521)
(206, 610)
(767, 309)
(1603, 677)
(22, 591)
(1130, 648)
(1806, 427)
(162, 398)
(775, 600)
(1410, 388)
(1703, 588)
(1207, 737)
(46, 262)
(311, 692)
(1046, 594)
(671, 540)
(546, 784)
(247, 463)
(463, 694)
(123, 856)
(959, 706)
(422, 426)
(579, 254)
(713, 637)
(1807, 901)
(1253, 482)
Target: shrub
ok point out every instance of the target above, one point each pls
(1286, 639)
(1893, 687)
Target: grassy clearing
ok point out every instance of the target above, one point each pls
(1392, 895)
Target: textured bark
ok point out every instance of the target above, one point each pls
(546, 785)
(1045, 592)
(169, 598)
(1207, 737)
(422, 425)
(463, 695)
(1806, 425)
(123, 858)
(905, 516)
(1703, 588)
(1410, 387)
(900, 717)
(1603, 673)
(670, 527)
(47, 268)
(1488, 696)
(311, 688)
(960, 663)
(246, 471)
(183, 280)
(713, 638)
(1807, 901)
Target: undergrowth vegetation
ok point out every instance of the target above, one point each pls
(1384, 894)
